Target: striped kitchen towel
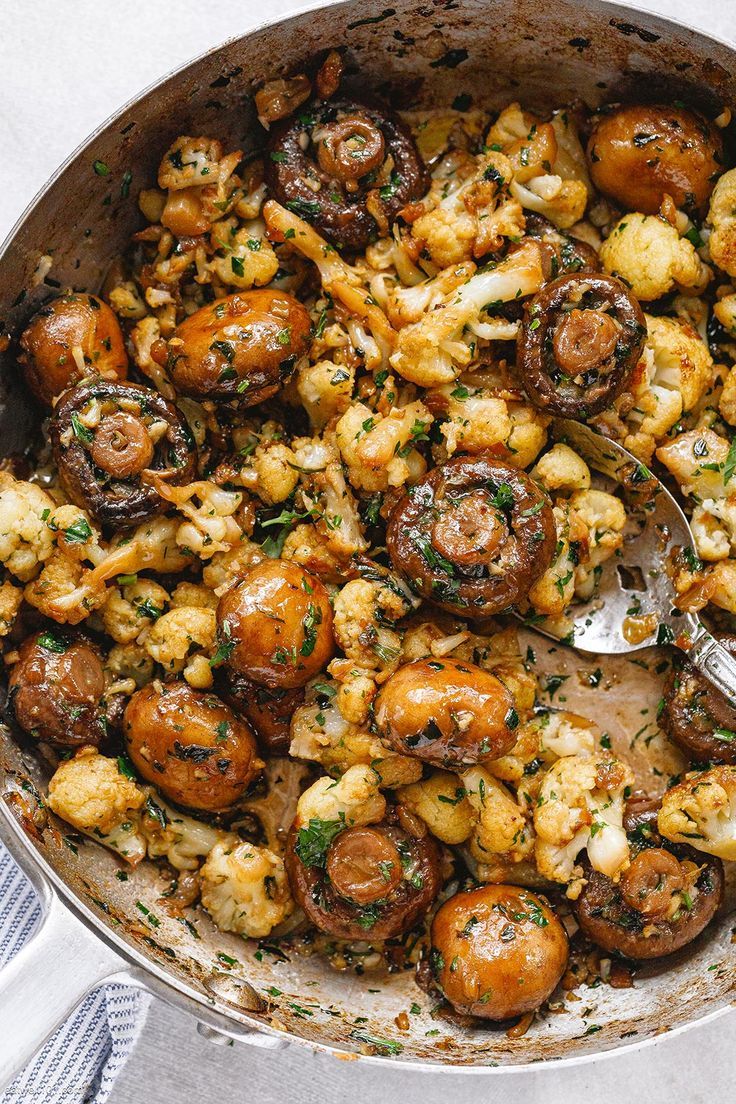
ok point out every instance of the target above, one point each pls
(81, 1060)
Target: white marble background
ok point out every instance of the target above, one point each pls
(65, 65)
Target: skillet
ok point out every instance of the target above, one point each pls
(96, 927)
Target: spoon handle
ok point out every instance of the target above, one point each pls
(712, 660)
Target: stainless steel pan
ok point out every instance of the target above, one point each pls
(95, 927)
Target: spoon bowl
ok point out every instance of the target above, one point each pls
(634, 602)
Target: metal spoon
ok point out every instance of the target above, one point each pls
(636, 578)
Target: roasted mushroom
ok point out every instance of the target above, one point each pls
(368, 883)
(190, 745)
(640, 153)
(56, 689)
(697, 716)
(269, 710)
(347, 168)
(497, 951)
(243, 347)
(446, 712)
(275, 625)
(561, 252)
(106, 435)
(472, 536)
(580, 340)
(664, 899)
(73, 337)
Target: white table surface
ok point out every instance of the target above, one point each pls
(64, 66)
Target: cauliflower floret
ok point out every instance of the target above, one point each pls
(129, 668)
(354, 799)
(722, 583)
(727, 400)
(502, 827)
(604, 517)
(563, 470)
(471, 211)
(328, 496)
(211, 526)
(180, 839)
(130, 609)
(554, 590)
(320, 733)
(245, 889)
(408, 304)
(365, 610)
(193, 594)
(482, 412)
(356, 690)
(126, 300)
(177, 633)
(698, 462)
(722, 217)
(248, 259)
(26, 542)
(156, 548)
(91, 792)
(225, 567)
(563, 202)
(76, 535)
(143, 337)
(547, 174)
(649, 254)
(378, 450)
(442, 803)
(65, 590)
(547, 736)
(580, 805)
(190, 162)
(673, 374)
(269, 470)
(10, 601)
(436, 349)
(325, 389)
(305, 545)
(701, 811)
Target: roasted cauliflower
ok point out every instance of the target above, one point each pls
(245, 889)
(671, 378)
(650, 256)
(697, 460)
(26, 541)
(94, 794)
(580, 805)
(722, 218)
(701, 811)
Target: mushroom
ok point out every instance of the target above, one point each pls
(664, 899)
(580, 340)
(105, 436)
(697, 716)
(472, 536)
(446, 712)
(56, 689)
(348, 168)
(190, 745)
(369, 883)
(275, 625)
(640, 153)
(497, 951)
(68, 339)
(242, 347)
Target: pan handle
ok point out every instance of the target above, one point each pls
(712, 659)
(45, 981)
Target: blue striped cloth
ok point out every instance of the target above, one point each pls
(81, 1060)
